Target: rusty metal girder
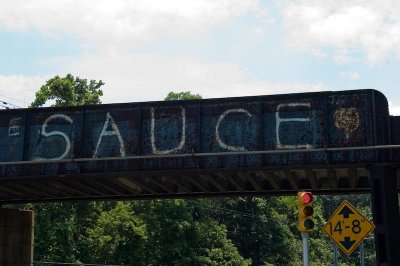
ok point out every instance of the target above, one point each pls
(249, 145)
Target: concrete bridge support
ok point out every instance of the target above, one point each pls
(16, 237)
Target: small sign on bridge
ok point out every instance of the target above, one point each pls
(347, 227)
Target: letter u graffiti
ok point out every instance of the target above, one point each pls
(153, 138)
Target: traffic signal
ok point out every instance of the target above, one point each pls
(306, 210)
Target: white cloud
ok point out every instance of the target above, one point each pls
(257, 30)
(120, 20)
(133, 78)
(349, 75)
(318, 53)
(344, 56)
(394, 109)
(20, 90)
(372, 26)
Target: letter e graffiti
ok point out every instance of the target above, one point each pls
(280, 120)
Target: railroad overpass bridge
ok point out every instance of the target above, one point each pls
(325, 142)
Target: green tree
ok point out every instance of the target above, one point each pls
(60, 230)
(119, 236)
(181, 233)
(260, 229)
(184, 95)
(69, 91)
(160, 232)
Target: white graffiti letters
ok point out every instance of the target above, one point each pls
(57, 133)
(220, 142)
(114, 132)
(289, 118)
(280, 120)
(153, 139)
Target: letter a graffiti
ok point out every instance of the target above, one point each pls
(113, 132)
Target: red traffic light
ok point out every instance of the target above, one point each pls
(306, 197)
(305, 211)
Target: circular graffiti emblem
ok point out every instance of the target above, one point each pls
(347, 119)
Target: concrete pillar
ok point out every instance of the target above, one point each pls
(16, 237)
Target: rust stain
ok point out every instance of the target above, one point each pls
(347, 119)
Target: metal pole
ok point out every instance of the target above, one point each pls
(362, 254)
(304, 238)
(335, 255)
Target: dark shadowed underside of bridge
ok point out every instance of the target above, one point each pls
(186, 183)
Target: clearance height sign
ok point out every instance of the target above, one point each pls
(347, 227)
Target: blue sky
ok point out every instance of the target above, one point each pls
(144, 49)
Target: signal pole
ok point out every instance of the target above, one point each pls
(335, 255)
(306, 223)
(304, 238)
(362, 255)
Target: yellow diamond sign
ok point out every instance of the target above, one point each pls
(347, 227)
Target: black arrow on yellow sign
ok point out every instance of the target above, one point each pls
(347, 243)
(346, 212)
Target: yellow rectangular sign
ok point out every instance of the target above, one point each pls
(347, 227)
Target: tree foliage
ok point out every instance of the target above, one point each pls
(182, 234)
(261, 229)
(69, 91)
(118, 236)
(60, 230)
(185, 95)
(160, 232)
